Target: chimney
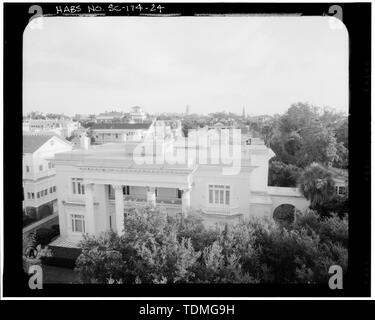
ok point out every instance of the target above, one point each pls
(85, 142)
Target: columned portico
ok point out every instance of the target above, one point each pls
(185, 201)
(151, 196)
(119, 203)
(89, 203)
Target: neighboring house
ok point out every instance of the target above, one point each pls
(167, 129)
(96, 183)
(137, 115)
(341, 177)
(221, 126)
(81, 117)
(120, 132)
(61, 127)
(39, 183)
(109, 117)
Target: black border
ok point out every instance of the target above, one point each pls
(357, 19)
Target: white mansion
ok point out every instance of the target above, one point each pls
(39, 180)
(96, 183)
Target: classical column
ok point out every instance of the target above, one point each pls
(151, 196)
(185, 201)
(90, 213)
(119, 203)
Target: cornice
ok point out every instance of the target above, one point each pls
(134, 170)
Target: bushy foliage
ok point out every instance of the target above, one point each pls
(336, 205)
(332, 228)
(33, 253)
(284, 214)
(192, 228)
(283, 175)
(156, 248)
(317, 185)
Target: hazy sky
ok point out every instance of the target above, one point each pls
(89, 65)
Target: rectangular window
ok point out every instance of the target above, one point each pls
(41, 167)
(50, 190)
(28, 195)
(216, 196)
(219, 194)
(54, 189)
(45, 192)
(38, 195)
(27, 169)
(77, 184)
(32, 195)
(126, 190)
(78, 223)
(341, 190)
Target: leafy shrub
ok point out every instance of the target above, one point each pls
(284, 214)
(159, 249)
(192, 228)
(336, 205)
(332, 228)
(283, 175)
(63, 257)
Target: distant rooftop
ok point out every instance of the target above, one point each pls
(121, 126)
(111, 114)
(31, 143)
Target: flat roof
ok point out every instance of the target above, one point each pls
(120, 126)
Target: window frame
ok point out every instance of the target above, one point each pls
(74, 217)
(219, 195)
(76, 184)
(340, 190)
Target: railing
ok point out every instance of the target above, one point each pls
(221, 211)
(136, 198)
(140, 198)
(169, 201)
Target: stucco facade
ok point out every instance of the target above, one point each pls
(95, 185)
